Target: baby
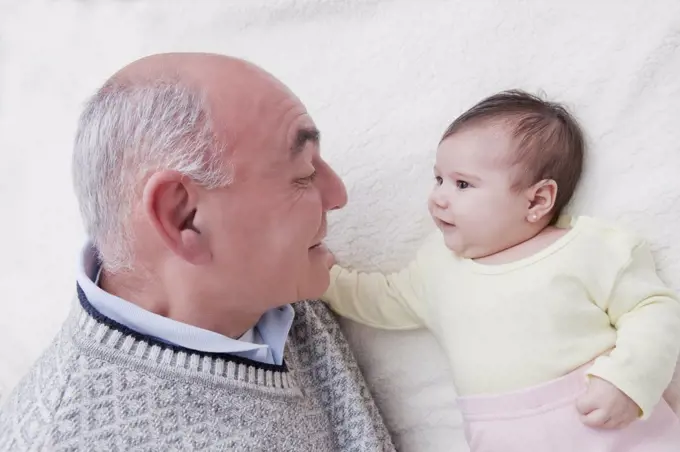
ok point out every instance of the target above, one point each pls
(560, 334)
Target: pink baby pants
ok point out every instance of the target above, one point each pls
(544, 419)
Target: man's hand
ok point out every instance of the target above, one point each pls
(605, 406)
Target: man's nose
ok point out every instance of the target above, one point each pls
(333, 191)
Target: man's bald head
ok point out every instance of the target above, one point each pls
(232, 88)
(175, 111)
(193, 68)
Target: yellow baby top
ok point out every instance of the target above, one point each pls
(592, 294)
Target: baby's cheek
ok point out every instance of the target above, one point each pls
(430, 205)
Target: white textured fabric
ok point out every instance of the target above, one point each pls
(382, 78)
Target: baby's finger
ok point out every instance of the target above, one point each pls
(613, 423)
(586, 404)
(596, 418)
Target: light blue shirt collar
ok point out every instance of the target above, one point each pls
(264, 343)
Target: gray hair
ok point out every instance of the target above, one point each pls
(126, 132)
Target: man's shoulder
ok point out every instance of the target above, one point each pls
(30, 410)
(324, 364)
(75, 396)
(315, 324)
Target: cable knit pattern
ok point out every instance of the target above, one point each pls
(102, 387)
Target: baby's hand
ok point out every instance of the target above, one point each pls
(605, 406)
(330, 261)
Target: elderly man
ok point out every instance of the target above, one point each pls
(201, 186)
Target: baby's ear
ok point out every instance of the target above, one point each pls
(541, 197)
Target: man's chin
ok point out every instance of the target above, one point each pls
(318, 284)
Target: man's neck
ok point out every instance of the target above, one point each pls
(149, 295)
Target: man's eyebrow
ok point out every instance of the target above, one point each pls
(302, 136)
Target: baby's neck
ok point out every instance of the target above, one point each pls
(543, 239)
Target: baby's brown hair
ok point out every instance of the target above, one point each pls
(550, 141)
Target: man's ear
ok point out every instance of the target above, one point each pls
(170, 202)
(541, 197)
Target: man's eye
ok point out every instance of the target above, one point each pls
(438, 180)
(307, 180)
(461, 184)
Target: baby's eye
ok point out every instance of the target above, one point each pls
(461, 184)
(438, 180)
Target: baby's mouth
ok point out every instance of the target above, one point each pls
(446, 223)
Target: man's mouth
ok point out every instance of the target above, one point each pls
(321, 238)
(318, 244)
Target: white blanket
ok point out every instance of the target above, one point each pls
(382, 78)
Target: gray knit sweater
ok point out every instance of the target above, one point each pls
(103, 387)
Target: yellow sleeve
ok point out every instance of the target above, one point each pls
(646, 315)
(394, 301)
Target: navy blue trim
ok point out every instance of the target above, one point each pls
(99, 317)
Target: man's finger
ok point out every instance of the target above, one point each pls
(596, 418)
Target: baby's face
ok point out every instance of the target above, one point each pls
(473, 202)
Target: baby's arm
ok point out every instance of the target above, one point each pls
(388, 301)
(646, 315)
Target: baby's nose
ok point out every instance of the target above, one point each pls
(439, 199)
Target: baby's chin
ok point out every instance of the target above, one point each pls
(454, 245)
(463, 250)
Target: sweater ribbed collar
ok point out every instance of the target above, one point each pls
(114, 341)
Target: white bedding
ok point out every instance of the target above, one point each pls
(382, 78)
